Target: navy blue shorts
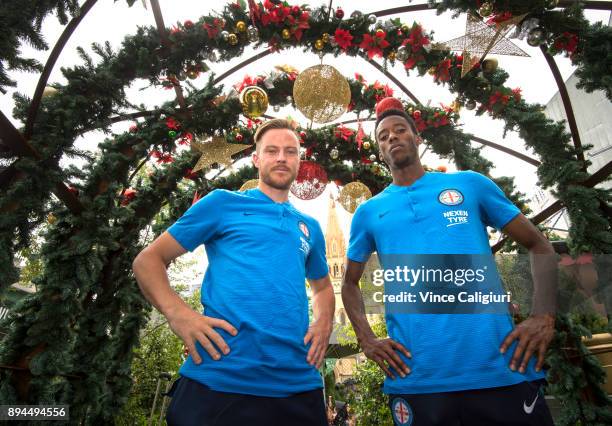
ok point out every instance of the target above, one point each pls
(194, 404)
(522, 404)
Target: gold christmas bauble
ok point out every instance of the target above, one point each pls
(392, 55)
(489, 65)
(241, 26)
(486, 9)
(286, 34)
(366, 145)
(325, 38)
(192, 74)
(254, 101)
(319, 44)
(249, 184)
(405, 28)
(352, 195)
(431, 71)
(49, 91)
(456, 106)
(51, 219)
(232, 39)
(321, 93)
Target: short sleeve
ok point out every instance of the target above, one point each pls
(199, 223)
(316, 263)
(497, 210)
(361, 243)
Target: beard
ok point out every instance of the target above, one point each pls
(403, 161)
(278, 183)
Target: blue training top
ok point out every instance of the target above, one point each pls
(259, 254)
(441, 213)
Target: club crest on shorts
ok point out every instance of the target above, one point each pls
(450, 197)
(402, 413)
(304, 228)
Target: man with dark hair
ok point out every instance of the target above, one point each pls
(253, 356)
(447, 368)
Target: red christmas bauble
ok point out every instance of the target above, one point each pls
(416, 114)
(339, 13)
(310, 182)
(239, 137)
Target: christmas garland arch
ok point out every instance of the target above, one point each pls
(72, 341)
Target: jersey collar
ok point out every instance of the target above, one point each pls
(416, 184)
(258, 193)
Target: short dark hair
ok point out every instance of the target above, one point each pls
(398, 112)
(275, 123)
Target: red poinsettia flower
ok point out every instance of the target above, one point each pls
(301, 26)
(442, 70)
(128, 195)
(189, 174)
(172, 123)
(499, 18)
(416, 39)
(374, 45)
(343, 133)
(185, 139)
(517, 93)
(343, 38)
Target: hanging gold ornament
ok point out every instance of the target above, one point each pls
(249, 184)
(321, 93)
(216, 151)
(392, 55)
(319, 44)
(192, 73)
(456, 106)
(49, 91)
(286, 34)
(486, 9)
(51, 219)
(480, 39)
(254, 101)
(241, 26)
(405, 28)
(489, 65)
(325, 37)
(288, 69)
(352, 195)
(431, 71)
(232, 39)
(366, 145)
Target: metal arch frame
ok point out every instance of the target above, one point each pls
(18, 143)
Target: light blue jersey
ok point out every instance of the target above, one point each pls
(441, 214)
(259, 254)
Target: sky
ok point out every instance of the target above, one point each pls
(112, 21)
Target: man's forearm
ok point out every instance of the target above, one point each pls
(355, 309)
(152, 277)
(544, 272)
(324, 304)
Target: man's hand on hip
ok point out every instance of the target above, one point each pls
(534, 335)
(192, 326)
(384, 353)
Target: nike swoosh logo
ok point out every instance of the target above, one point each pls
(248, 214)
(529, 408)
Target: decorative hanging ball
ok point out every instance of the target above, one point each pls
(392, 55)
(310, 181)
(253, 34)
(254, 101)
(356, 14)
(380, 33)
(372, 19)
(486, 9)
(334, 154)
(51, 219)
(321, 93)
(225, 35)
(489, 65)
(416, 114)
(431, 71)
(276, 108)
(325, 37)
(536, 36)
(289, 99)
(172, 134)
(319, 44)
(239, 137)
(232, 39)
(241, 26)
(188, 24)
(49, 91)
(456, 105)
(372, 157)
(470, 104)
(402, 53)
(441, 168)
(286, 34)
(405, 28)
(366, 145)
(551, 4)
(303, 135)
(339, 13)
(192, 73)
(249, 184)
(352, 195)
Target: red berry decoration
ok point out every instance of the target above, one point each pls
(339, 13)
(416, 114)
(239, 137)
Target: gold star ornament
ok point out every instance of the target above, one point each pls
(217, 150)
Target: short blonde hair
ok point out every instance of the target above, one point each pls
(275, 123)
